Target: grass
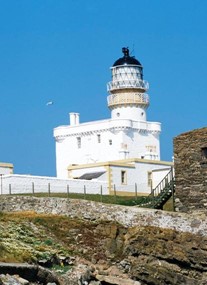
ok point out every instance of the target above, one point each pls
(31, 236)
(61, 269)
(108, 199)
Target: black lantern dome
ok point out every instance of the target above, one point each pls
(127, 59)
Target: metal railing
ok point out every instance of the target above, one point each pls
(128, 98)
(161, 193)
(127, 83)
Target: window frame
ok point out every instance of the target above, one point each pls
(78, 142)
(123, 177)
(149, 178)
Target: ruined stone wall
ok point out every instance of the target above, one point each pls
(190, 161)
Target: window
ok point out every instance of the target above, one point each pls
(203, 161)
(110, 142)
(78, 142)
(151, 148)
(204, 153)
(99, 138)
(149, 178)
(123, 177)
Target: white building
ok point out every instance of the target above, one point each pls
(6, 168)
(122, 150)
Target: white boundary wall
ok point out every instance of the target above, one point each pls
(29, 184)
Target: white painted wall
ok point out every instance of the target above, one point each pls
(24, 184)
(139, 175)
(136, 172)
(157, 176)
(129, 112)
(129, 139)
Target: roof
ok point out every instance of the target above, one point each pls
(127, 59)
(91, 175)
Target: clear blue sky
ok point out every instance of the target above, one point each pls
(61, 50)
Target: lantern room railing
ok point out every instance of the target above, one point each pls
(127, 83)
(128, 98)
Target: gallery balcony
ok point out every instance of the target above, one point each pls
(127, 84)
(127, 99)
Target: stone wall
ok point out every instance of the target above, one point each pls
(196, 223)
(190, 160)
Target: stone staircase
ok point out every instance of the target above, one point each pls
(161, 193)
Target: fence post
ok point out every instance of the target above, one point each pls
(33, 188)
(101, 194)
(1, 184)
(153, 195)
(48, 189)
(173, 199)
(173, 188)
(68, 191)
(136, 192)
(115, 192)
(9, 189)
(84, 192)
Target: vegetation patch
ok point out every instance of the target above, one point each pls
(108, 199)
(41, 238)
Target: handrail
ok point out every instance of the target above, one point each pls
(166, 180)
(127, 83)
(161, 193)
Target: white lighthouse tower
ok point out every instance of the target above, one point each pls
(126, 136)
(127, 99)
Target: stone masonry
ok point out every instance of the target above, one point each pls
(190, 161)
(196, 223)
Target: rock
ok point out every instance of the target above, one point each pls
(124, 265)
(116, 280)
(12, 280)
(46, 276)
(153, 247)
(45, 262)
(22, 280)
(85, 275)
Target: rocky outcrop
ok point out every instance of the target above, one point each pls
(109, 245)
(161, 256)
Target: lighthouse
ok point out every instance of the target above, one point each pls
(125, 137)
(128, 98)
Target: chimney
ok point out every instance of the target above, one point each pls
(74, 119)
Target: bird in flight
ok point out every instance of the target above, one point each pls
(49, 103)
